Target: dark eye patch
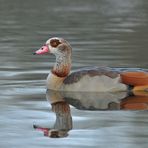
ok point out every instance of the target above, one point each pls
(55, 42)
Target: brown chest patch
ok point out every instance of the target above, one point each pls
(62, 72)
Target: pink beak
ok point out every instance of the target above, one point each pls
(43, 50)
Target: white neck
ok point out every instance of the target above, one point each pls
(59, 72)
(62, 66)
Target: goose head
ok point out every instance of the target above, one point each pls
(62, 50)
(56, 46)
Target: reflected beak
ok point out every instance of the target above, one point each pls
(43, 50)
(45, 130)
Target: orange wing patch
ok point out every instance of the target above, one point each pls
(135, 78)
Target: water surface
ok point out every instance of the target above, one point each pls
(102, 33)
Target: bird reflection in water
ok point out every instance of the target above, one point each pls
(88, 101)
(137, 101)
(63, 121)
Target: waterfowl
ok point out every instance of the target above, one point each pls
(93, 79)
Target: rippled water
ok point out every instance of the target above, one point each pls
(102, 33)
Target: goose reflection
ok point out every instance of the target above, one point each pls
(63, 121)
(94, 101)
(61, 101)
(137, 100)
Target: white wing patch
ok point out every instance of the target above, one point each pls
(96, 84)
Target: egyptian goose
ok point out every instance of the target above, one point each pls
(88, 79)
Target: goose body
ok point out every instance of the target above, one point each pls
(93, 79)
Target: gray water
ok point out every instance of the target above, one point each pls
(102, 33)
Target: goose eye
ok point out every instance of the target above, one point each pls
(55, 42)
